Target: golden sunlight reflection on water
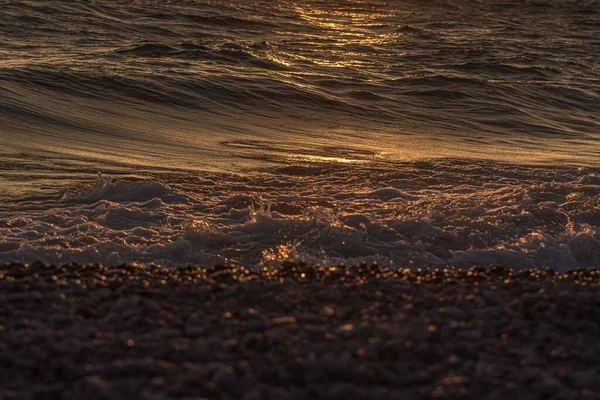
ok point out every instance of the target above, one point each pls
(347, 30)
(326, 159)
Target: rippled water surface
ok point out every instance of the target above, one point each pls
(230, 92)
(156, 82)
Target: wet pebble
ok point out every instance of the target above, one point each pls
(455, 313)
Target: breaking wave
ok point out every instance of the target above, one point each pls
(434, 214)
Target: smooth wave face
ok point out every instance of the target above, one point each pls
(173, 83)
(442, 214)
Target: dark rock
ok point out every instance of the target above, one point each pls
(224, 377)
(455, 313)
(95, 388)
(253, 395)
(493, 298)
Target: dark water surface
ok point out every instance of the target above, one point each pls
(184, 83)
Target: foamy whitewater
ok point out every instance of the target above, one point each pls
(412, 133)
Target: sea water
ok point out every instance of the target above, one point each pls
(412, 133)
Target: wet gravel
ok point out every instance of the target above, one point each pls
(299, 332)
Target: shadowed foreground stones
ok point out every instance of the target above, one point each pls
(299, 332)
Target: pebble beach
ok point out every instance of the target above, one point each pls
(289, 200)
(297, 332)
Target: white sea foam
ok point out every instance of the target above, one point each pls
(411, 215)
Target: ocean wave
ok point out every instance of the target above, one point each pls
(133, 88)
(296, 60)
(455, 214)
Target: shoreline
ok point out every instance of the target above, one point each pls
(297, 332)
